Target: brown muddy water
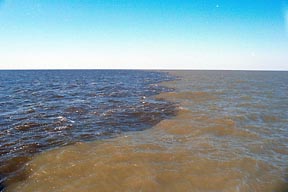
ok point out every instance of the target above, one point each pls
(230, 134)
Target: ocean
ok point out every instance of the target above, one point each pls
(144, 131)
(42, 110)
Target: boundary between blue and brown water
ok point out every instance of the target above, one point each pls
(13, 170)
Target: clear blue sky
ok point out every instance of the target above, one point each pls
(187, 34)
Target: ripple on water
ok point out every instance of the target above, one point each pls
(47, 109)
(131, 163)
(202, 148)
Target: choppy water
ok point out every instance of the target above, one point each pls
(41, 110)
(230, 134)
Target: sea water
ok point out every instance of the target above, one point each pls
(41, 110)
(229, 134)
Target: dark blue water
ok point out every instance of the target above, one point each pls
(40, 110)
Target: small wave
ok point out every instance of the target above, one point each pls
(76, 110)
(27, 126)
(122, 165)
(214, 143)
(270, 118)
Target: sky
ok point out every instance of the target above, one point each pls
(144, 34)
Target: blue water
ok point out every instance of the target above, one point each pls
(41, 110)
(230, 132)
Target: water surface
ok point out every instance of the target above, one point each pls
(230, 134)
(41, 110)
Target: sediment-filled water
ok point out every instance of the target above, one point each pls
(41, 110)
(230, 134)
